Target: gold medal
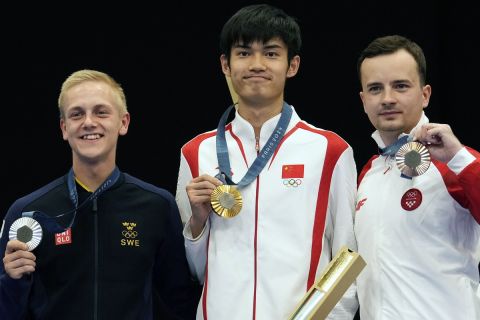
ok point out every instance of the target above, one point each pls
(226, 201)
(413, 159)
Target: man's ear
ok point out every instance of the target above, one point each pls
(224, 64)
(426, 93)
(63, 127)
(293, 67)
(125, 122)
(363, 102)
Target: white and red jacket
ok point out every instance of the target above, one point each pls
(420, 239)
(296, 215)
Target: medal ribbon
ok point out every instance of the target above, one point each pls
(391, 150)
(264, 155)
(50, 223)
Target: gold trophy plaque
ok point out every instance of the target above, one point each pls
(334, 281)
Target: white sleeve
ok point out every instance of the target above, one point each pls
(461, 160)
(196, 249)
(342, 196)
(184, 177)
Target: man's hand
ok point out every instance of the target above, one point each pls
(199, 191)
(18, 260)
(439, 140)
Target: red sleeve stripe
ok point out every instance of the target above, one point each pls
(365, 169)
(190, 151)
(336, 146)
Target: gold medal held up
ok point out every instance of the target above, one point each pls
(413, 159)
(226, 201)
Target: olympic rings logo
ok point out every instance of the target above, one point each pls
(292, 182)
(129, 234)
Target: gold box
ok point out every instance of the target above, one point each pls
(337, 277)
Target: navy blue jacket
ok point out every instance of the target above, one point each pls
(124, 257)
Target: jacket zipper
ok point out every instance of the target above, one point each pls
(254, 311)
(95, 282)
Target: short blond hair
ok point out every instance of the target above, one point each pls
(93, 75)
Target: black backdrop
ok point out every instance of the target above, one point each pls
(167, 59)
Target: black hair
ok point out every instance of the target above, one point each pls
(391, 44)
(260, 22)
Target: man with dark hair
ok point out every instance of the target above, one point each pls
(281, 189)
(418, 202)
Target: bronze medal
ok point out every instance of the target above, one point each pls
(413, 159)
(226, 201)
(26, 230)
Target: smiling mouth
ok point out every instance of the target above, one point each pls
(91, 136)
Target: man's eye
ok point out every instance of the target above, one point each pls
(102, 113)
(75, 115)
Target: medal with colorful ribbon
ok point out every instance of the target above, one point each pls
(226, 199)
(28, 228)
(412, 157)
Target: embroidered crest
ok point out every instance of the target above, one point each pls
(411, 200)
(129, 235)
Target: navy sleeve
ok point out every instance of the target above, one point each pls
(177, 290)
(13, 293)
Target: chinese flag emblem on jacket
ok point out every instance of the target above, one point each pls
(292, 171)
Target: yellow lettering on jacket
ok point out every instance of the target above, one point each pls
(130, 242)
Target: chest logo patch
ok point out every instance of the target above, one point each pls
(292, 174)
(411, 200)
(129, 235)
(63, 237)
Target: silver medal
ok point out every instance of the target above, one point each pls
(26, 230)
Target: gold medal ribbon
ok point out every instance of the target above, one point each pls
(226, 200)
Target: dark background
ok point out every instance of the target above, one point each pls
(166, 57)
